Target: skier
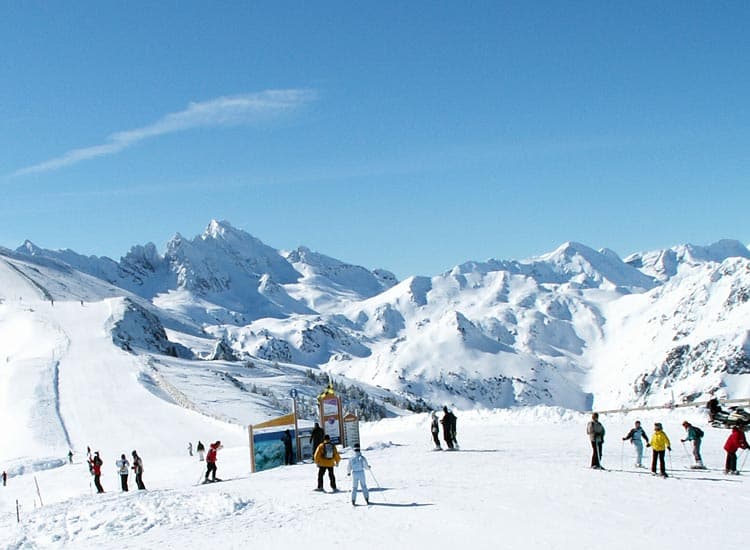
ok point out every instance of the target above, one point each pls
(286, 439)
(449, 427)
(435, 429)
(316, 437)
(70, 456)
(695, 435)
(326, 457)
(201, 449)
(123, 467)
(5, 478)
(190, 448)
(659, 445)
(95, 465)
(356, 468)
(735, 441)
(138, 470)
(596, 431)
(213, 448)
(635, 435)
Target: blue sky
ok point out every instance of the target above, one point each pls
(411, 136)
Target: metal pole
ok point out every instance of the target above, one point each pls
(38, 492)
(18, 513)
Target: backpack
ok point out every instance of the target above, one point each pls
(698, 432)
(328, 450)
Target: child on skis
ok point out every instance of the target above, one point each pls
(356, 468)
(659, 445)
(636, 436)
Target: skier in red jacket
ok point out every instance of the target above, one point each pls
(735, 441)
(211, 461)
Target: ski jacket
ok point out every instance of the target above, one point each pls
(138, 465)
(735, 441)
(636, 434)
(211, 456)
(357, 463)
(692, 434)
(321, 460)
(595, 431)
(123, 466)
(660, 441)
(200, 448)
(96, 465)
(435, 428)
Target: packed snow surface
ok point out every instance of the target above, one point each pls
(520, 480)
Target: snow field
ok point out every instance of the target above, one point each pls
(520, 480)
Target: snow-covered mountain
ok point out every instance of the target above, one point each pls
(577, 327)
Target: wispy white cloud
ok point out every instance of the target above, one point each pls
(223, 111)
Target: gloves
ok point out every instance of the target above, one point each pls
(348, 474)
(669, 449)
(648, 444)
(682, 441)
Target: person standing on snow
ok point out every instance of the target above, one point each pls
(5, 478)
(286, 439)
(190, 448)
(326, 457)
(201, 449)
(735, 441)
(138, 470)
(695, 435)
(596, 431)
(70, 456)
(213, 448)
(435, 430)
(659, 445)
(635, 435)
(449, 427)
(356, 468)
(123, 468)
(316, 437)
(95, 465)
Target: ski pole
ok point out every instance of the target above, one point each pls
(747, 452)
(374, 478)
(671, 467)
(687, 455)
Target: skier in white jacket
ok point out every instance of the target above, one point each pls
(356, 468)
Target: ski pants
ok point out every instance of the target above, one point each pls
(658, 455)
(596, 454)
(358, 478)
(731, 463)
(98, 484)
(211, 469)
(124, 481)
(448, 438)
(697, 451)
(331, 477)
(139, 481)
(436, 439)
(638, 444)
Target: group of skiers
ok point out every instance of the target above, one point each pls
(660, 444)
(123, 469)
(326, 457)
(449, 429)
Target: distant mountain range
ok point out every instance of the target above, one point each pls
(577, 327)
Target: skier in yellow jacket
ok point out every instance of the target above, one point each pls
(659, 445)
(326, 457)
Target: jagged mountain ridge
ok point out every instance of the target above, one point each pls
(495, 333)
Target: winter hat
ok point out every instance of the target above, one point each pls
(657, 426)
(356, 447)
